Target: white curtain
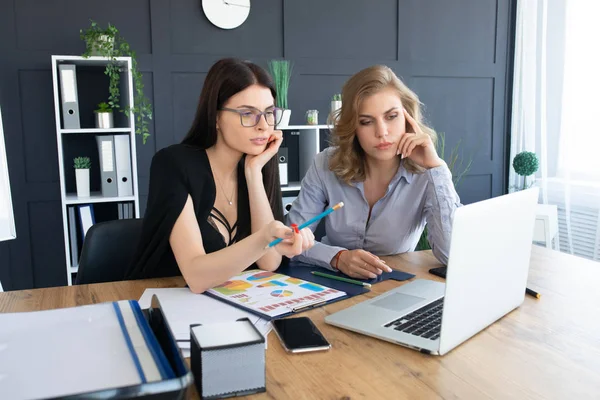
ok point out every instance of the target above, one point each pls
(556, 105)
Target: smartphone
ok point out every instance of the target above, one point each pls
(439, 271)
(299, 335)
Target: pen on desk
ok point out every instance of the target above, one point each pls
(532, 293)
(340, 278)
(310, 221)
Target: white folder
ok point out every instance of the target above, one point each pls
(123, 161)
(68, 95)
(108, 172)
(87, 218)
(77, 350)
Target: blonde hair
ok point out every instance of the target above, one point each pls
(348, 158)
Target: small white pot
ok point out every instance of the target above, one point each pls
(82, 180)
(103, 38)
(335, 105)
(285, 119)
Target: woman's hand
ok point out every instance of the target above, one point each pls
(293, 243)
(418, 146)
(256, 163)
(361, 264)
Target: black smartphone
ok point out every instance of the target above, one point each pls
(298, 335)
(439, 271)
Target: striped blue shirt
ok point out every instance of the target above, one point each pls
(397, 219)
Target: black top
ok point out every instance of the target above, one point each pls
(175, 172)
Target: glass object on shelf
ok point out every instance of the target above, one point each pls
(312, 117)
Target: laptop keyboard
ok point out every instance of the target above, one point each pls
(424, 322)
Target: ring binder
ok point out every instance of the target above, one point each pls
(113, 350)
(68, 95)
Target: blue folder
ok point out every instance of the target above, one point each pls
(302, 270)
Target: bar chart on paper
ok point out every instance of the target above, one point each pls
(271, 293)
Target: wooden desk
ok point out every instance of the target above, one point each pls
(548, 348)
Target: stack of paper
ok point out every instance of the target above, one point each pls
(183, 308)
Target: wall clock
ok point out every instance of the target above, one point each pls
(226, 14)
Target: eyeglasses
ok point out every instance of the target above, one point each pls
(250, 118)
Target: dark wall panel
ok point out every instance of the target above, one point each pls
(475, 188)
(47, 249)
(450, 31)
(54, 24)
(186, 94)
(454, 54)
(353, 29)
(461, 108)
(39, 130)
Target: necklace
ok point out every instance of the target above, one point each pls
(229, 199)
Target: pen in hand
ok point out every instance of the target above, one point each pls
(310, 221)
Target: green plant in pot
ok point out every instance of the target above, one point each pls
(458, 166)
(82, 167)
(336, 103)
(525, 163)
(104, 116)
(110, 44)
(281, 71)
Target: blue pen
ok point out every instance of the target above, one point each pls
(310, 221)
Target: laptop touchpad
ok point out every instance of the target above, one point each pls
(397, 301)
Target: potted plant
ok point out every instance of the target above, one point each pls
(110, 44)
(82, 175)
(336, 103)
(281, 70)
(104, 116)
(525, 163)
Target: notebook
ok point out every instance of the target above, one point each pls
(68, 351)
(273, 295)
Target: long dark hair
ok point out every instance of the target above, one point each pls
(226, 78)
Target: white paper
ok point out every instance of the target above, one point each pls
(183, 308)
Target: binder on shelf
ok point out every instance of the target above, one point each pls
(74, 245)
(123, 167)
(108, 173)
(282, 157)
(120, 210)
(68, 95)
(110, 350)
(87, 219)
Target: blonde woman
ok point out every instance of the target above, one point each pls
(385, 169)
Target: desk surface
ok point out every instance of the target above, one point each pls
(547, 348)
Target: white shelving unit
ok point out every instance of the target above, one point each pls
(126, 91)
(309, 139)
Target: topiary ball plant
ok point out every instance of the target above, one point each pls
(525, 163)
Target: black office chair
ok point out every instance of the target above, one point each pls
(107, 251)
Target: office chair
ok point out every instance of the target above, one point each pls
(107, 251)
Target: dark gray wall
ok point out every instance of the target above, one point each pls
(453, 53)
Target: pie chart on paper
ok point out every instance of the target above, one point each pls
(281, 293)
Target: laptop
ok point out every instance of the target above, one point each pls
(486, 279)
